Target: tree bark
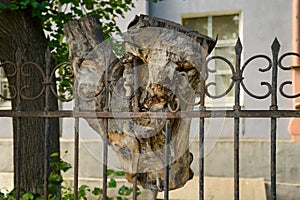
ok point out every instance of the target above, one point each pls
(20, 32)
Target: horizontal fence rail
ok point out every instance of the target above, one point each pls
(50, 84)
(154, 115)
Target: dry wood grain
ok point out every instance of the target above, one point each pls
(161, 65)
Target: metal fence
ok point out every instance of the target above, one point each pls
(275, 63)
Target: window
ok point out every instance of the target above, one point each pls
(226, 27)
(4, 90)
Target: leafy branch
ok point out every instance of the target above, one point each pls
(58, 190)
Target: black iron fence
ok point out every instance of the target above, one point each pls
(274, 89)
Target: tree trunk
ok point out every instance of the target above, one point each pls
(158, 72)
(20, 32)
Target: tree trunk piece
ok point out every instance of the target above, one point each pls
(158, 72)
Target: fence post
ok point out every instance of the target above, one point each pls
(47, 123)
(105, 135)
(275, 50)
(167, 160)
(237, 107)
(18, 136)
(201, 136)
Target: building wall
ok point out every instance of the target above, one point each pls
(261, 22)
(254, 163)
(141, 7)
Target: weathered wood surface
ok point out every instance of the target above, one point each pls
(161, 64)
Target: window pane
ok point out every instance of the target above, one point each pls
(223, 82)
(2, 75)
(4, 90)
(226, 27)
(226, 52)
(199, 24)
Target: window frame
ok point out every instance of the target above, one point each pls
(4, 104)
(227, 101)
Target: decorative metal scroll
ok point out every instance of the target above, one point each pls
(53, 78)
(48, 79)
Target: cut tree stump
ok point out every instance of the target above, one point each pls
(158, 71)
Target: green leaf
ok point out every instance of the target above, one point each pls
(35, 4)
(64, 166)
(89, 5)
(124, 190)
(13, 6)
(3, 7)
(84, 187)
(138, 191)
(27, 196)
(97, 191)
(82, 191)
(119, 11)
(112, 183)
(56, 154)
(120, 173)
(110, 172)
(53, 177)
(38, 197)
(53, 188)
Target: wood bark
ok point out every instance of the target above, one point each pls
(20, 32)
(158, 72)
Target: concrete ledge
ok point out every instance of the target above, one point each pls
(285, 191)
(6, 182)
(214, 188)
(218, 162)
(220, 188)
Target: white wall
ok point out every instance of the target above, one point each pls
(141, 7)
(262, 21)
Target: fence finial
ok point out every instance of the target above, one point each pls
(275, 45)
(238, 46)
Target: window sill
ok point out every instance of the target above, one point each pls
(5, 105)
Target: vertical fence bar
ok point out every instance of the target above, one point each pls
(47, 123)
(167, 161)
(236, 158)
(76, 139)
(273, 158)
(105, 136)
(134, 185)
(201, 138)
(18, 134)
(105, 154)
(237, 78)
(135, 109)
(275, 51)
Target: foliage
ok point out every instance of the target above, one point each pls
(57, 189)
(53, 14)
